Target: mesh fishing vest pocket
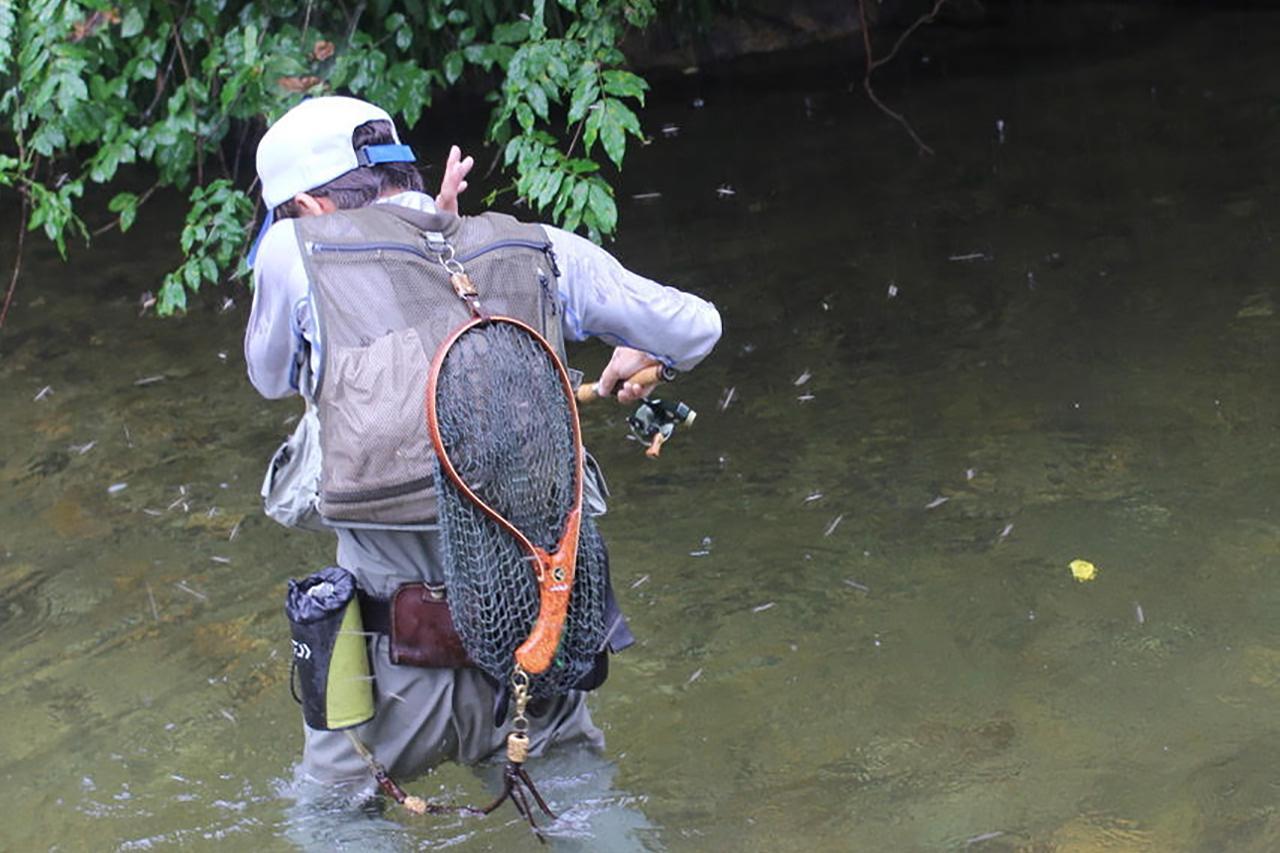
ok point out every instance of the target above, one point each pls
(378, 464)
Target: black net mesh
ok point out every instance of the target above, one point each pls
(507, 428)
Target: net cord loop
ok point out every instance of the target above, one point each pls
(413, 804)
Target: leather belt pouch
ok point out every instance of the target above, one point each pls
(422, 632)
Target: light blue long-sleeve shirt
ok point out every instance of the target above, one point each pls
(600, 298)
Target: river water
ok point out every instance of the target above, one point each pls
(942, 380)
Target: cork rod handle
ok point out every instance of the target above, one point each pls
(647, 376)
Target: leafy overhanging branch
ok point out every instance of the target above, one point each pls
(184, 86)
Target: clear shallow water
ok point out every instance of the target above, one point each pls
(907, 679)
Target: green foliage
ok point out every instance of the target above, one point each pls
(184, 88)
(572, 81)
(211, 241)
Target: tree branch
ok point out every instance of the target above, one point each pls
(17, 261)
(926, 18)
(162, 78)
(182, 54)
(577, 134)
(162, 82)
(355, 21)
(896, 116)
(142, 199)
(23, 217)
(873, 63)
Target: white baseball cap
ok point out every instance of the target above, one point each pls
(310, 145)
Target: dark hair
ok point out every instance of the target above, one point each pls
(363, 184)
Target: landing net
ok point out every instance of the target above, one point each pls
(507, 427)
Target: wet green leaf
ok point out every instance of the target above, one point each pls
(537, 99)
(577, 204)
(512, 150)
(172, 297)
(591, 129)
(550, 188)
(524, 114)
(132, 23)
(514, 32)
(538, 20)
(585, 93)
(453, 62)
(121, 201)
(191, 274)
(8, 28)
(602, 205)
(624, 84)
(612, 134)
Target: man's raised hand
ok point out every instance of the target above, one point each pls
(454, 182)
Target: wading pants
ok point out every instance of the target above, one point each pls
(423, 716)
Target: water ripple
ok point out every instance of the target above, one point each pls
(25, 605)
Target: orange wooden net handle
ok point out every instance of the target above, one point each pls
(650, 375)
(555, 583)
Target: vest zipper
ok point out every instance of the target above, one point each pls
(548, 297)
(368, 247)
(545, 248)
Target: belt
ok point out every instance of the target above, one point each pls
(375, 613)
(417, 621)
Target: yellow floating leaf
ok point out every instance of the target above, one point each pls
(1083, 570)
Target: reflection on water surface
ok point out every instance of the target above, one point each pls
(941, 382)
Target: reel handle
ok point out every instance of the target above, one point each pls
(650, 375)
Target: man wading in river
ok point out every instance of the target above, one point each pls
(333, 172)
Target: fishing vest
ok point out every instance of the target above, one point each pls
(382, 303)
